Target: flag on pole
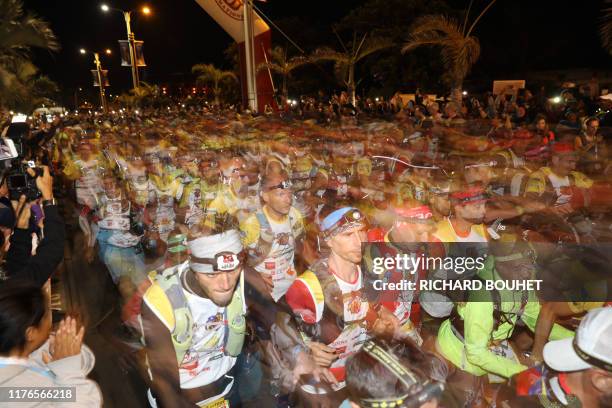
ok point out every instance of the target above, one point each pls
(103, 74)
(124, 47)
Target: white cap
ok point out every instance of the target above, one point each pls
(592, 346)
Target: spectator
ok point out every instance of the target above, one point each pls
(31, 357)
(38, 268)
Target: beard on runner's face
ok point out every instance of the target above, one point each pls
(218, 286)
(473, 213)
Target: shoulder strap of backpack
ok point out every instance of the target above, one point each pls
(178, 318)
(236, 321)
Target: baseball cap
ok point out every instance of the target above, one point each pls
(590, 348)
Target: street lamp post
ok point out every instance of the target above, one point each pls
(131, 41)
(76, 97)
(100, 77)
(127, 15)
(100, 82)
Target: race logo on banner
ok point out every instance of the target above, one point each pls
(231, 8)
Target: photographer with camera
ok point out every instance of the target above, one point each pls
(20, 263)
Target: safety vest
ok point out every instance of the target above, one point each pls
(167, 299)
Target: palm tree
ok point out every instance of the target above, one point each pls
(459, 49)
(19, 33)
(606, 27)
(346, 60)
(209, 74)
(280, 64)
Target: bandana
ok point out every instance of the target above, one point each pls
(219, 248)
(468, 196)
(420, 214)
(562, 148)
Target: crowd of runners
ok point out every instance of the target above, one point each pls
(246, 251)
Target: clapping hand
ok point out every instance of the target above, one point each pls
(66, 342)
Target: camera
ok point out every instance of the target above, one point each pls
(20, 182)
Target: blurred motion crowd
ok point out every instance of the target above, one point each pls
(243, 250)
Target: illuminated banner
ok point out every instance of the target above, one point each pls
(508, 87)
(124, 47)
(228, 14)
(103, 74)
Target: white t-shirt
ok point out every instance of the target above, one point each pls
(205, 361)
(88, 186)
(354, 334)
(280, 261)
(558, 184)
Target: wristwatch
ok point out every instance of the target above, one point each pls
(47, 203)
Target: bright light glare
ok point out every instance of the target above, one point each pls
(104, 7)
(108, 51)
(136, 112)
(82, 51)
(464, 93)
(146, 10)
(556, 99)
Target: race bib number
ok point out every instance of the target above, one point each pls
(112, 223)
(220, 403)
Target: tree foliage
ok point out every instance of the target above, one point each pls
(458, 48)
(606, 27)
(279, 63)
(346, 59)
(20, 86)
(208, 74)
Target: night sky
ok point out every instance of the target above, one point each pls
(532, 34)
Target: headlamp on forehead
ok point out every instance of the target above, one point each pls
(414, 136)
(209, 164)
(491, 163)
(341, 220)
(285, 185)
(221, 262)
(421, 391)
(438, 190)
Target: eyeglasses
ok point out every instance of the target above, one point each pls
(221, 262)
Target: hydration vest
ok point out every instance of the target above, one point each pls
(266, 236)
(329, 321)
(167, 298)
